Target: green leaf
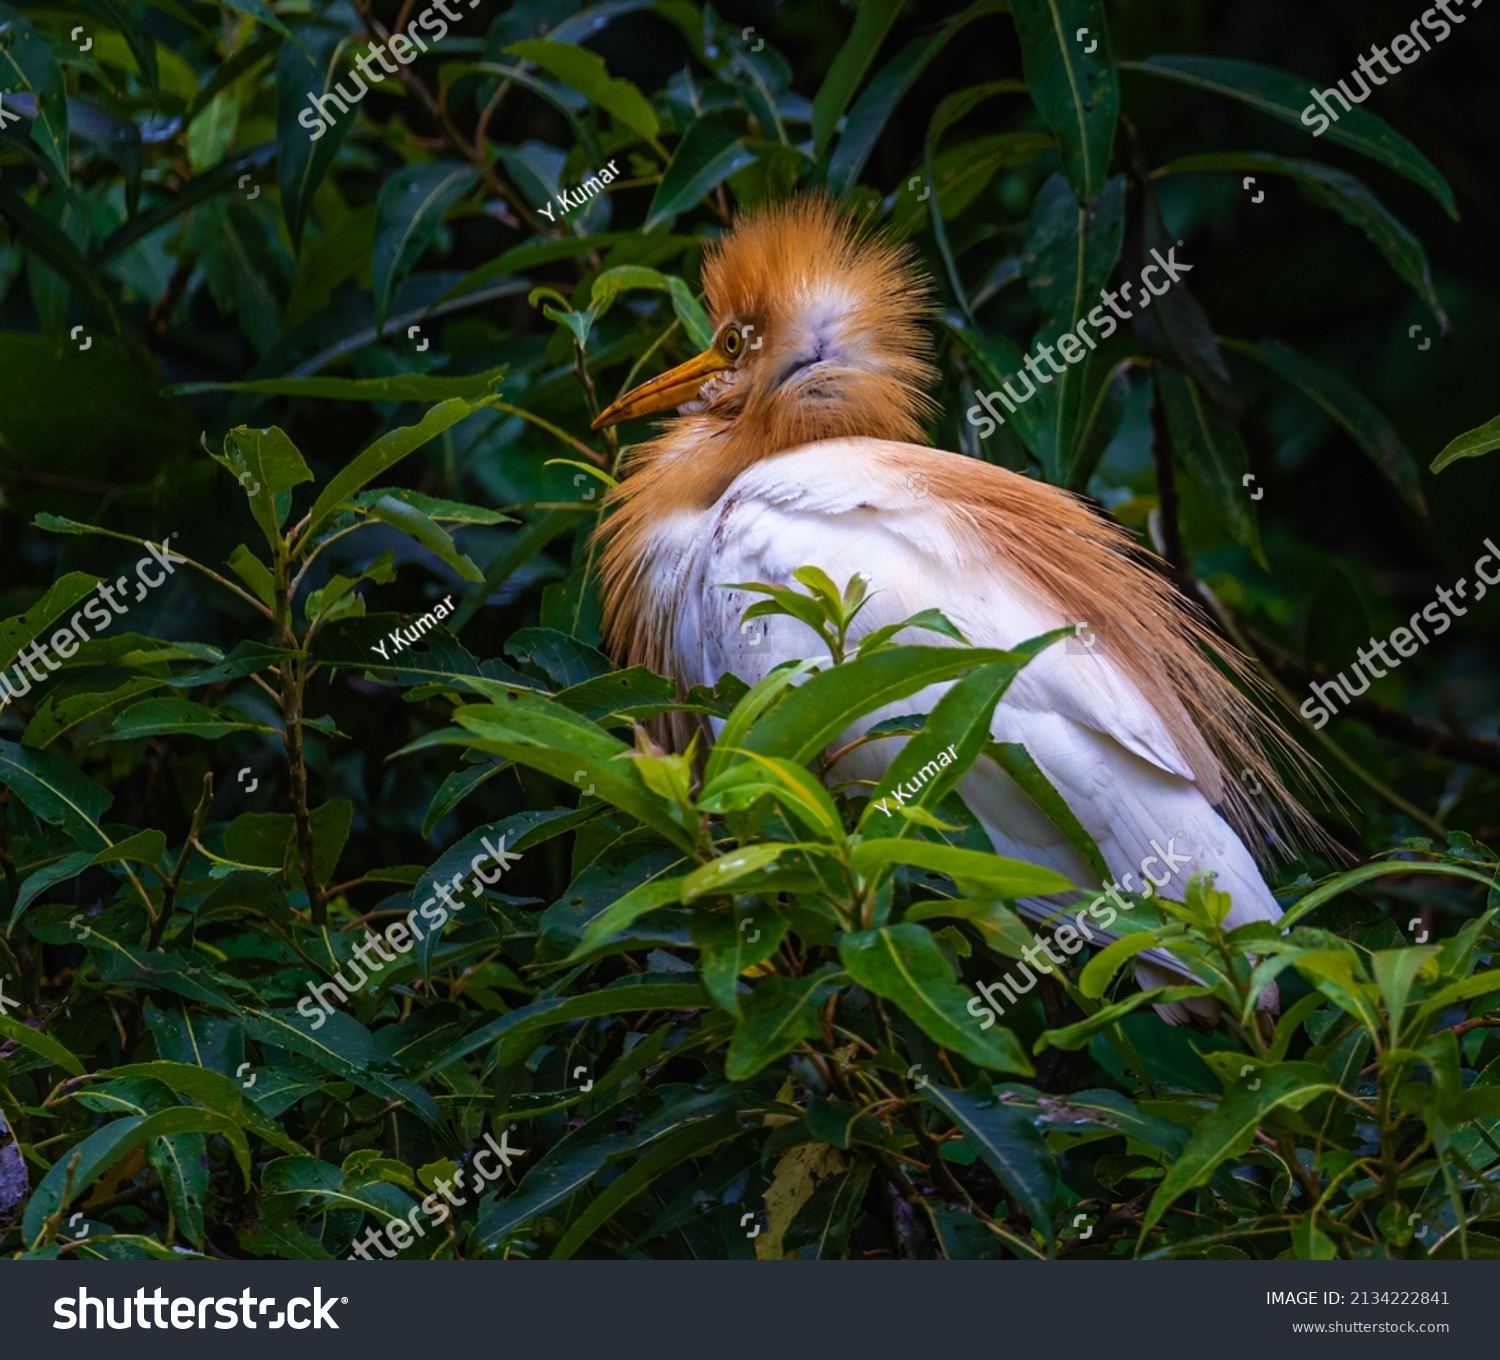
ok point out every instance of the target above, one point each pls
(343, 1046)
(25, 55)
(730, 943)
(1101, 1112)
(436, 508)
(259, 10)
(904, 965)
(1175, 326)
(328, 1185)
(1229, 1129)
(211, 133)
(562, 658)
(961, 103)
(525, 258)
(1365, 873)
(1017, 762)
(1075, 89)
(1005, 878)
(873, 109)
(1347, 196)
(1100, 970)
(1008, 1141)
(563, 1170)
(42, 238)
(435, 539)
(457, 787)
(795, 789)
(178, 717)
(1480, 984)
(436, 658)
(254, 573)
(778, 1015)
(282, 1242)
(584, 71)
(1471, 444)
(933, 620)
(959, 723)
(181, 1164)
(246, 659)
(608, 285)
(1283, 96)
(1071, 250)
(35, 884)
(631, 695)
(519, 1031)
(1078, 1035)
(710, 151)
(690, 313)
(393, 387)
(961, 173)
(543, 734)
(266, 464)
(104, 1147)
(221, 75)
(330, 826)
(140, 42)
(649, 896)
(698, 1137)
(872, 21)
(214, 1091)
(384, 454)
(22, 1034)
(410, 209)
(812, 715)
(1211, 449)
(304, 67)
(831, 1213)
(65, 592)
(748, 711)
(1002, 928)
(1395, 970)
(688, 309)
(54, 791)
(1309, 1243)
(145, 847)
(1369, 428)
(751, 868)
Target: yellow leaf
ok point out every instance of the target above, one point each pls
(798, 1173)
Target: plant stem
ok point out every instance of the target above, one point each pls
(1166, 485)
(593, 455)
(293, 682)
(169, 888)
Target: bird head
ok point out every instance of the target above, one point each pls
(818, 334)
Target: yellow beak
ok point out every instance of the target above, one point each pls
(673, 388)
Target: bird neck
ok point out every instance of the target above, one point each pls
(682, 472)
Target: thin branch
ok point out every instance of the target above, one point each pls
(1406, 729)
(1166, 485)
(598, 459)
(170, 885)
(1195, 590)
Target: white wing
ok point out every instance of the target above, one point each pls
(852, 506)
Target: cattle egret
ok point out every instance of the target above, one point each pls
(798, 441)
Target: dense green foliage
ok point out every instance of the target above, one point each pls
(344, 388)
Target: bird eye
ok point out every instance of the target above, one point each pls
(732, 341)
